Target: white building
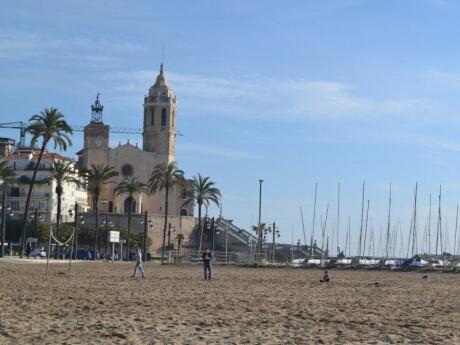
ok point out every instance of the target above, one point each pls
(44, 198)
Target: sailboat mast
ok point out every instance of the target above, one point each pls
(414, 231)
(338, 217)
(439, 225)
(388, 226)
(429, 229)
(362, 216)
(365, 229)
(303, 229)
(314, 219)
(455, 235)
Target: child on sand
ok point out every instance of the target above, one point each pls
(326, 278)
(138, 263)
(207, 257)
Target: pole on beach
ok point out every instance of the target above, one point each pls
(274, 244)
(2, 251)
(144, 244)
(49, 250)
(260, 216)
(73, 236)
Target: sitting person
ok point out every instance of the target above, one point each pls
(326, 278)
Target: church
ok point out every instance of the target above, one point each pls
(159, 138)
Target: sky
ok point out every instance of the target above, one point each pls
(291, 92)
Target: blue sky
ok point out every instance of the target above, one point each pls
(293, 92)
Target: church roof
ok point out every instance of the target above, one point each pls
(161, 80)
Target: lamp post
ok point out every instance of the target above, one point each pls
(2, 252)
(147, 224)
(275, 232)
(4, 210)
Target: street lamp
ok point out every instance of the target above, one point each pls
(5, 210)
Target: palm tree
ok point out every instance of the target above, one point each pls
(95, 178)
(130, 187)
(204, 193)
(6, 171)
(165, 177)
(47, 126)
(62, 173)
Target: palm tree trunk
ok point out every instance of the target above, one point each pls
(198, 241)
(96, 209)
(129, 223)
(166, 224)
(58, 219)
(29, 194)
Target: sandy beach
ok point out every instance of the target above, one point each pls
(98, 303)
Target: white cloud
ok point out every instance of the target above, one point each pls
(16, 44)
(262, 98)
(217, 151)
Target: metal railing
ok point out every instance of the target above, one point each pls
(175, 256)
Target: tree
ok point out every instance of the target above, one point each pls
(47, 126)
(6, 172)
(95, 178)
(165, 177)
(203, 192)
(62, 172)
(130, 187)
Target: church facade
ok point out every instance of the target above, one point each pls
(159, 138)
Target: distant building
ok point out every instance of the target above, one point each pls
(159, 138)
(44, 198)
(6, 147)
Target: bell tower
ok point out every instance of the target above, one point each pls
(95, 138)
(160, 119)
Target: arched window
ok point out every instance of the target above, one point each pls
(110, 206)
(129, 202)
(163, 117)
(173, 118)
(152, 118)
(183, 212)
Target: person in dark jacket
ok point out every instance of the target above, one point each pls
(28, 250)
(326, 277)
(207, 257)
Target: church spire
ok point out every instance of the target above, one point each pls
(161, 80)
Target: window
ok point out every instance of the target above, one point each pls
(152, 118)
(163, 117)
(15, 205)
(183, 212)
(110, 206)
(173, 118)
(14, 192)
(129, 203)
(127, 170)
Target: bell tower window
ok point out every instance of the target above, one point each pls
(163, 117)
(152, 118)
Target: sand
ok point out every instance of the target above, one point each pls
(100, 304)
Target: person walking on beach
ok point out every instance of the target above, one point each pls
(207, 257)
(138, 263)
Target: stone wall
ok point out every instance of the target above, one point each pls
(179, 225)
